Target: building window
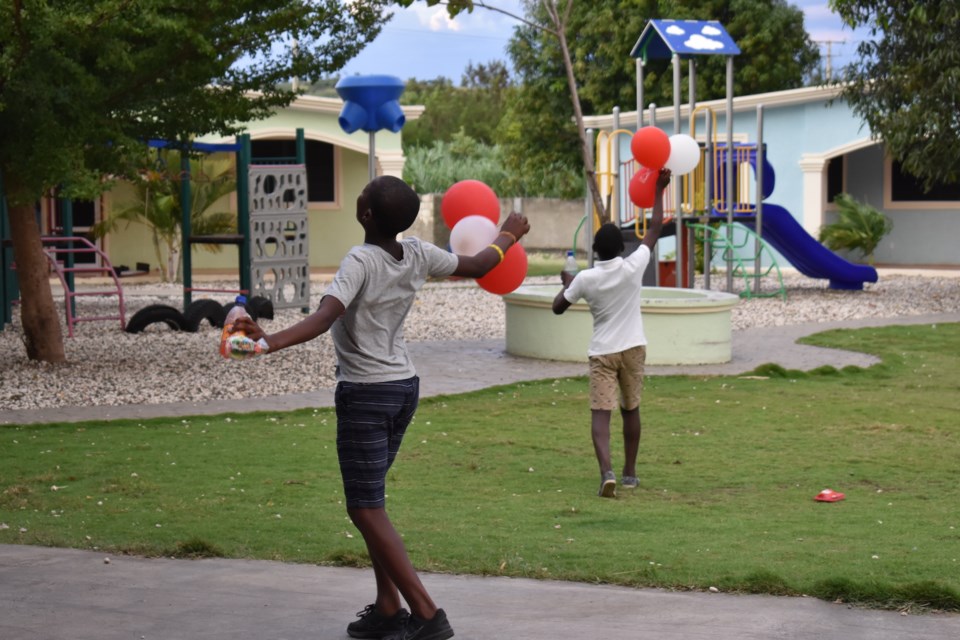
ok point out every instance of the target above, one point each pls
(904, 187)
(835, 178)
(320, 163)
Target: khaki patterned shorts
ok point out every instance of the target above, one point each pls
(613, 371)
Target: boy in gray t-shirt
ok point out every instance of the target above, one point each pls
(377, 386)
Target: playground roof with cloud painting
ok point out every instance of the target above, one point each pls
(663, 38)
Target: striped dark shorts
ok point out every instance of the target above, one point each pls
(371, 421)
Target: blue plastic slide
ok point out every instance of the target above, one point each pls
(782, 231)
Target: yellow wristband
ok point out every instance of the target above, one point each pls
(510, 235)
(498, 250)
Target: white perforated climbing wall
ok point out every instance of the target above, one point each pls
(279, 242)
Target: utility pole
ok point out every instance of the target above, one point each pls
(829, 43)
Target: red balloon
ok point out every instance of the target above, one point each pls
(508, 275)
(469, 198)
(643, 187)
(650, 147)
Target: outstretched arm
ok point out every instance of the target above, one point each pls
(316, 323)
(479, 265)
(656, 219)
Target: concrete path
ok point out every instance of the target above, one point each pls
(63, 594)
(57, 594)
(458, 367)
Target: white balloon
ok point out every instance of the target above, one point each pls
(684, 154)
(471, 234)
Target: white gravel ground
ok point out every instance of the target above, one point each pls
(108, 366)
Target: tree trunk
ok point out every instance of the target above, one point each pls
(588, 165)
(161, 260)
(173, 264)
(38, 314)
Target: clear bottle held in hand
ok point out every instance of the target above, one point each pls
(570, 264)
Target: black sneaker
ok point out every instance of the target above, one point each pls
(436, 628)
(373, 624)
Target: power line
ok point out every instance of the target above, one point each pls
(447, 34)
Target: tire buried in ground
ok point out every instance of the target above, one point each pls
(262, 306)
(156, 313)
(203, 309)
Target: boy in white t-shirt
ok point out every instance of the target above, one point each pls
(617, 351)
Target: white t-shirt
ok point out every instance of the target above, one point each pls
(612, 290)
(377, 292)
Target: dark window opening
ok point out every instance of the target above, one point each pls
(834, 178)
(320, 174)
(84, 216)
(905, 187)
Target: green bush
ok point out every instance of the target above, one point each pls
(432, 169)
(859, 227)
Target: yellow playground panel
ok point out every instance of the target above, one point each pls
(614, 174)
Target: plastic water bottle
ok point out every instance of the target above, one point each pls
(570, 264)
(234, 344)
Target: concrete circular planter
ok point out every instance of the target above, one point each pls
(683, 326)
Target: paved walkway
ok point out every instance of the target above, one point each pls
(458, 367)
(64, 594)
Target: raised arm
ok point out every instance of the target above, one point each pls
(656, 219)
(479, 265)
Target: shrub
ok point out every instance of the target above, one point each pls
(859, 227)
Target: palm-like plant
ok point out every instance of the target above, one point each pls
(859, 226)
(157, 205)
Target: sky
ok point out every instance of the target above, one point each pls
(423, 42)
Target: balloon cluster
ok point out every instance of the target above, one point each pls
(653, 150)
(471, 211)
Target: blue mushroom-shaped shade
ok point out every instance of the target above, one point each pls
(370, 103)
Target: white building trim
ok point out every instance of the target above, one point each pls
(814, 169)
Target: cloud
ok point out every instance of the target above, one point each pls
(420, 16)
(480, 22)
(697, 41)
(440, 21)
(674, 30)
(710, 31)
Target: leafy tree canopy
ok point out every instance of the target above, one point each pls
(474, 108)
(84, 82)
(906, 80)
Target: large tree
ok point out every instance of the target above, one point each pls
(84, 83)
(906, 81)
(776, 54)
(553, 20)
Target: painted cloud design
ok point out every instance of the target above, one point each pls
(702, 43)
(710, 31)
(674, 30)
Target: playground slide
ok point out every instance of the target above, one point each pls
(782, 231)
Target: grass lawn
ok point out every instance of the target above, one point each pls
(543, 263)
(503, 482)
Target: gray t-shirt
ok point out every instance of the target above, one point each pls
(377, 292)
